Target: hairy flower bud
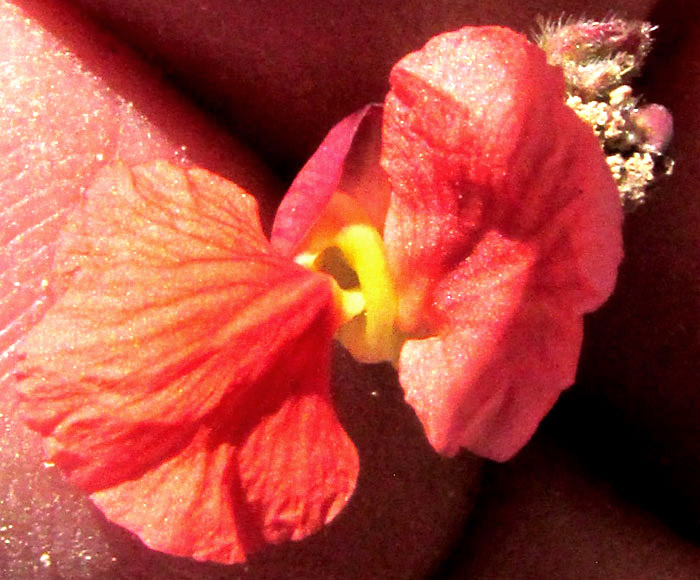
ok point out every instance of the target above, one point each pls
(598, 59)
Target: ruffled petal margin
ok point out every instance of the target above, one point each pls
(182, 377)
(500, 237)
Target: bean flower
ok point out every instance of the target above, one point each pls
(459, 232)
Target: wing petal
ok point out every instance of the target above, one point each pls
(177, 332)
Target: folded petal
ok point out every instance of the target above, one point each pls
(177, 334)
(347, 160)
(488, 379)
(503, 234)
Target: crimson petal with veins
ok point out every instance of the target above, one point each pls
(182, 377)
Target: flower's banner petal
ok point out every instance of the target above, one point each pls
(347, 160)
(74, 99)
(500, 238)
(176, 335)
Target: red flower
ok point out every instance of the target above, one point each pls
(182, 377)
(503, 228)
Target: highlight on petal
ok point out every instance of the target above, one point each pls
(500, 237)
(347, 161)
(184, 371)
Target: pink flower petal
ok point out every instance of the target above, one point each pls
(500, 237)
(346, 160)
(177, 337)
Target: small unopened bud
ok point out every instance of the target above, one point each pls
(656, 123)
